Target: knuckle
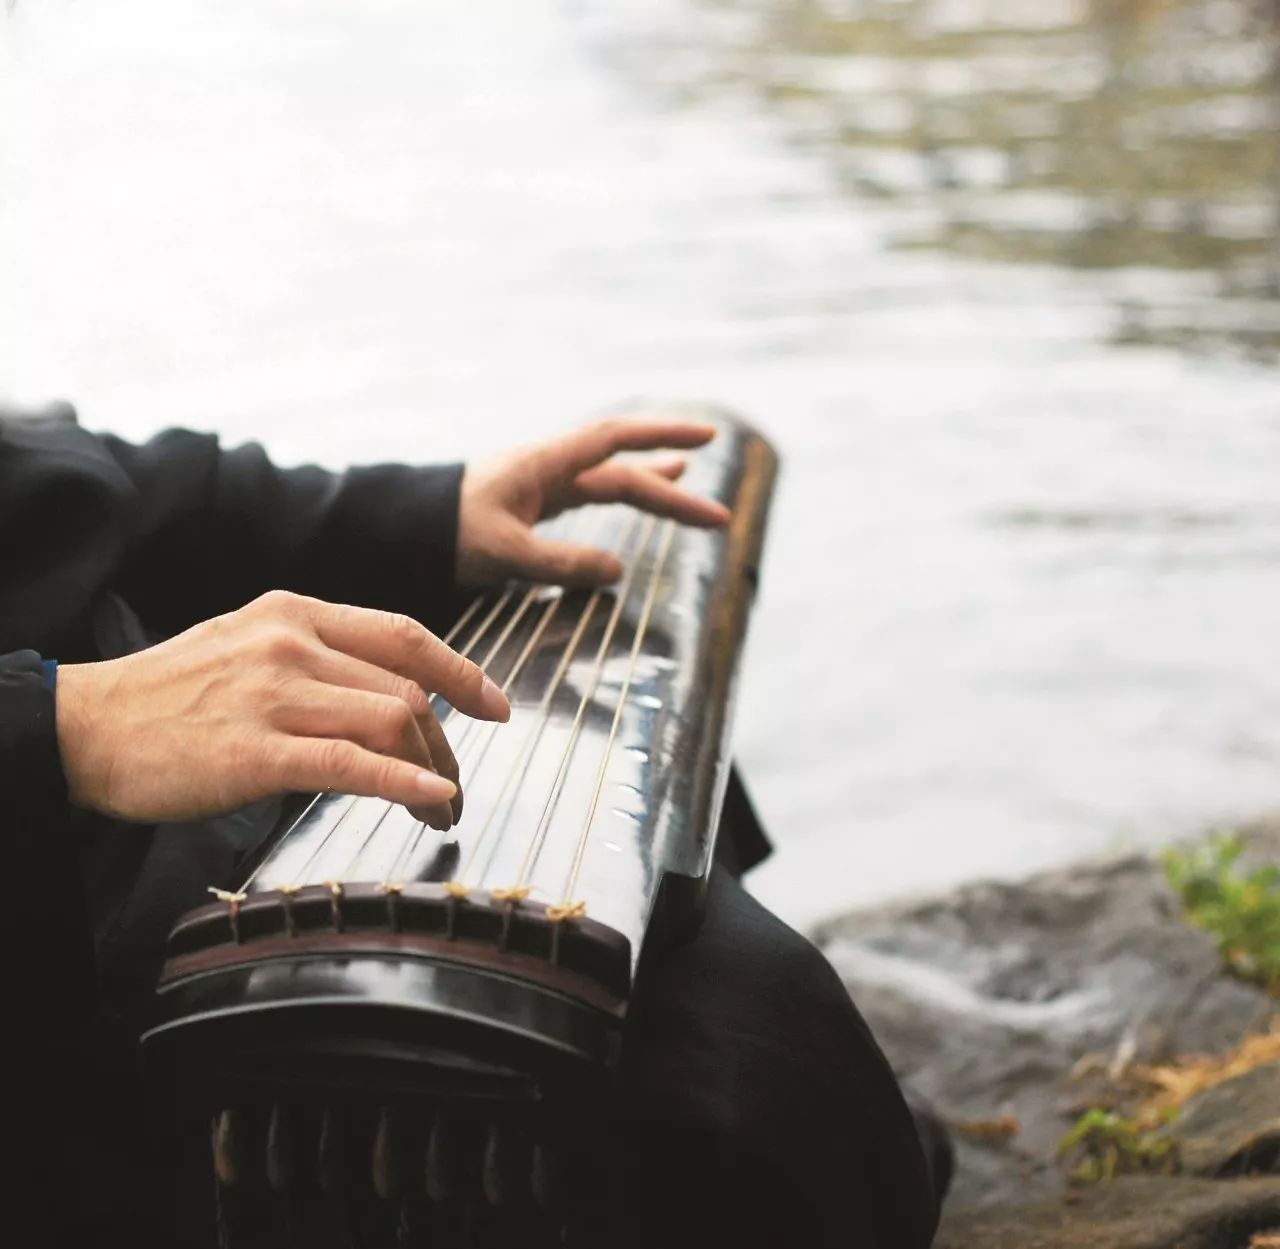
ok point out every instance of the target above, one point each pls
(277, 602)
(446, 762)
(412, 695)
(398, 717)
(386, 774)
(609, 430)
(336, 758)
(464, 671)
(404, 629)
(257, 758)
(283, 647)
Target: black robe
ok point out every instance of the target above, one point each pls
(756, 1108)
(105, 546)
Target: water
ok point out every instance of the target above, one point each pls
(1000, 277)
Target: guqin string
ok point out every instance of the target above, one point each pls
(523, 757)
(516, 616)
(534, 848)
(567, 907)
(394, 880)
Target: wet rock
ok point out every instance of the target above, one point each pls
(1233, 1129)
(1132, 1213)
(987, 998)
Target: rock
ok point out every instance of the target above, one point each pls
(987, 998)
(1233, 1129)
(1131, 1213)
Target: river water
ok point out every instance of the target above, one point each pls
(1000, 277)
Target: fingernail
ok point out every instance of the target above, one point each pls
(495, 702)
(435, 787)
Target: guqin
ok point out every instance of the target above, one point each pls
(397, 1036)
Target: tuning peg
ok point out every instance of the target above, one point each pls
(442, 1159)
(282, 1148)
(228, 1150)
(549, 1176)
(500, 1174)
(331, 1163)
(390, 1156)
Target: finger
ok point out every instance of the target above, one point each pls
(672, 469)
(565, 563)
(649, 491)
(442, 756)
(401, 645)
(316, 763)
(378, 722)
(592, 444)
(334, 668)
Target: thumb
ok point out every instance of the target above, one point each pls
(567, 563)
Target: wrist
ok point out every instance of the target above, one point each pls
(81, 739)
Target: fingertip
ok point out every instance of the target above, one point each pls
(495, 702)
(608, 569)
(434, 788)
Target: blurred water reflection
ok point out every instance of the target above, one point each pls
(1095, 134)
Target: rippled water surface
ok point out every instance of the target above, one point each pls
(1001, 277)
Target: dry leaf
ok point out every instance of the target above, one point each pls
(1176, 1082)
(987, 1129)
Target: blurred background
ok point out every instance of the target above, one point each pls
(1000, 277)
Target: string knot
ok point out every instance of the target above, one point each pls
(512, 893)
(233, 901)
(562, 911)
(456, 889)
(228, 896)
(392, 886)
(335, 903)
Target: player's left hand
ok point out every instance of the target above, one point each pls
(504, 498)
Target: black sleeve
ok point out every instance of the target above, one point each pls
(45, 928)
(47, 966)
(216, 528)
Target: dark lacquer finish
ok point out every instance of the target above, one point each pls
(495, 962)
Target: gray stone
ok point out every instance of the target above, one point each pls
(1233, 1129)
(985, 1000)
(1132, 1213)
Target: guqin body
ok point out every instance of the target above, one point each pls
(397, 1036)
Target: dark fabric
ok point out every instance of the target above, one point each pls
(758, 1109)
(50, 1021)
(104, 547)
(182, 530)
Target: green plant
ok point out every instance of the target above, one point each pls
(1240, 908)
(1107, 1144)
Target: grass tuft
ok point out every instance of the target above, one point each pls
(1104, 1144)
(1239, 908)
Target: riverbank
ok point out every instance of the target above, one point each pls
(1018, 1008)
